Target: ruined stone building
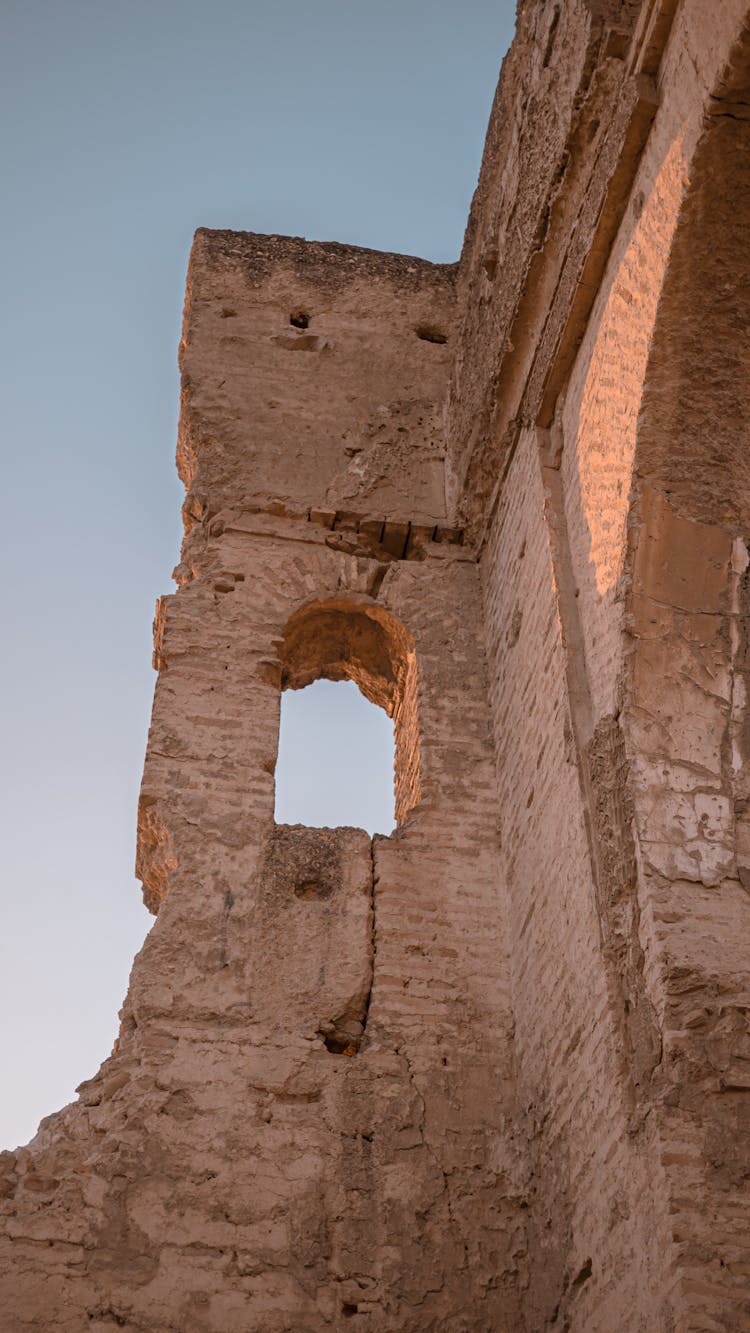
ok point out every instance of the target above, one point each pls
(491, 1072)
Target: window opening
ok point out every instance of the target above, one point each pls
(351, 638)
(336, 759)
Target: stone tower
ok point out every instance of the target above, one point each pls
(491, 1072)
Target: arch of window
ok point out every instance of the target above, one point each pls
(345, 638)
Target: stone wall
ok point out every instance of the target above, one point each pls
(490, 1072)
(309, 1114)
(632, 933)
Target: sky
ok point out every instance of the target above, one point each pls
(126, 127)
(333, 722)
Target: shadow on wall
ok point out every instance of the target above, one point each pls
(656, 490)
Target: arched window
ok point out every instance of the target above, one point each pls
(336, 762)
(346, 639)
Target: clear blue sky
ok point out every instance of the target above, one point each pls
(126, 127)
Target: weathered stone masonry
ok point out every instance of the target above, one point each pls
(491, 1072)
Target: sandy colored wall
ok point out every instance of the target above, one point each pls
(309, 1115)
(342, 413)
(613, 567)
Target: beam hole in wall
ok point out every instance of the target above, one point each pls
(299, 319)
(429, 334)
(335, 651)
